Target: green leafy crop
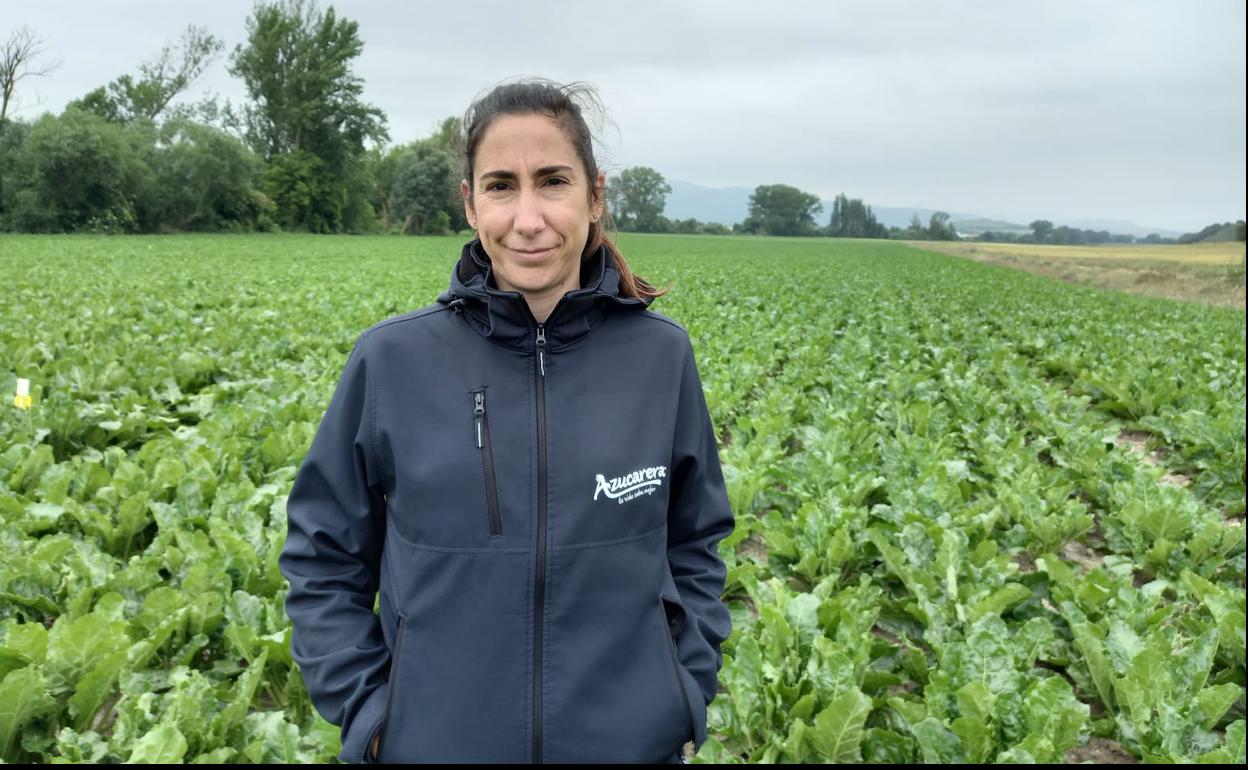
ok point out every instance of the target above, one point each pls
(981, 516)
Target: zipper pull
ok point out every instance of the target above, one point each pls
(541, 343)
(479, 410)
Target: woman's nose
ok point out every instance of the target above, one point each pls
(528, 220)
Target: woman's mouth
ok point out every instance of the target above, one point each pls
(534, 254)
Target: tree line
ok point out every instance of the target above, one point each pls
(638, 195)
(306, 152)
(1044, 231)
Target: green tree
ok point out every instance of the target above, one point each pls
(420, 196)
(415, 186)
(852, 219)
(174, 69)
(305, 193)
(690, 226)
(915, 231)
(1041, 228)
(77, 171)
(207, 180)
(447, 136)
(637, 197)
(939, 228)
(99, 102)
(780, 209)
(18, 57)
(11, 142)
(306, 114)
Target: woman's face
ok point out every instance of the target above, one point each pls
(531, 206)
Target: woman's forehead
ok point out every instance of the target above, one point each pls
(525, 143)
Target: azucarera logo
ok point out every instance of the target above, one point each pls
(621, 489)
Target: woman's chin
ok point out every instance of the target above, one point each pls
(532, 278)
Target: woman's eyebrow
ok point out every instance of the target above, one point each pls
(543, 171)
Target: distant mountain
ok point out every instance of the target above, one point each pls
(1118, 227)
(899, 216)
(726, 205)
(729, 205)
(977, 226)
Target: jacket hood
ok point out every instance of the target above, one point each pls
(504, 317)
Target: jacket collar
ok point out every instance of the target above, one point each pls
(504, 317)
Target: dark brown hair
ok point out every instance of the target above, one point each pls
(560, 102)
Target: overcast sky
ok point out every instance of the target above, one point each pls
(1062, 110)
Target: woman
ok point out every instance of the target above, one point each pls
(527, 472)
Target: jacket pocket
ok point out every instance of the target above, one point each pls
(390, 687)
(482, 425)
(672, 628)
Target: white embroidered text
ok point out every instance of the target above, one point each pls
(624, 488)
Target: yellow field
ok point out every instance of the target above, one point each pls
(1212, 273)
(1229, 253)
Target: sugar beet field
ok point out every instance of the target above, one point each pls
(980, 515)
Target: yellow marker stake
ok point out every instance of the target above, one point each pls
(21, 399)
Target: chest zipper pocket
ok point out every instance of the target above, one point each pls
(482, 425)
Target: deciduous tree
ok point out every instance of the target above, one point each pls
(636, 198)
(18, 61)
(780, 209)
(173, 70)
(77, 171)
(939, 228)
(307, 113)
(852, 219)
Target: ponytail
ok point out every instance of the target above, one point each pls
(631, 285)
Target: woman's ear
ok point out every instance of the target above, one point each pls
(470, 211)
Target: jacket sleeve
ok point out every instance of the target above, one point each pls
(332, 554)
(699, 517)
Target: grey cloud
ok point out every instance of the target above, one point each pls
(1129, 110)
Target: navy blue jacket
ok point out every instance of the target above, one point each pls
(539, 507)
